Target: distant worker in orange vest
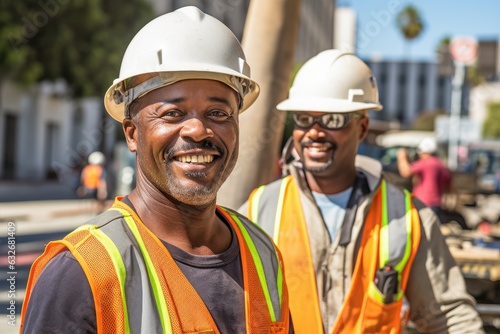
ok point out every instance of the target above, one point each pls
(166, 258)
(353, 244)
(93, 178)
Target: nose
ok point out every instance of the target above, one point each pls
(316, 131)
(195, 129)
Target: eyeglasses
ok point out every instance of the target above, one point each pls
(330, 121)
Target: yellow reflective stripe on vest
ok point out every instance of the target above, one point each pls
(153, 276)
(258, 265)
(255, 203)
(119, 267)
(277, 219)
(400, 266)
(384, 229)
(385, 240)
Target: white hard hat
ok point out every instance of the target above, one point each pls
(427, 145)
(333, 81)
(96, 158)
(184, 44)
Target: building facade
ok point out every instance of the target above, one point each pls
(408, 88)
(45, 134)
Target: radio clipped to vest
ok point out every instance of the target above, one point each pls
(386, 280)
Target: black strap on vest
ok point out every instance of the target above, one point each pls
(359, 191)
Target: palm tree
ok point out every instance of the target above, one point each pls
(410, 24)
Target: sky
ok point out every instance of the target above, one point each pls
(378, 35)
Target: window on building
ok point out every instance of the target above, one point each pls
(440, 96)
(10, 146)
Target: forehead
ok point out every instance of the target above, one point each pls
(191, 91)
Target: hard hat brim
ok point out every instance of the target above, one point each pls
(117, 110)
(325, 105)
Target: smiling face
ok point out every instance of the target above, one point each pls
(328, 155)
(186, 139)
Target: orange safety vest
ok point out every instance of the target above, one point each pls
(91, 176)
(105, 250)
(363, 310)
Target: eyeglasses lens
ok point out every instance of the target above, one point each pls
(330, 121)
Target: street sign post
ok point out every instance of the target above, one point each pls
(463, 51)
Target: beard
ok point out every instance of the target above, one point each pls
(316, 169)
(320, 169)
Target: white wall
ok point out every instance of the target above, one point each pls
(36, 108)
(480, 97)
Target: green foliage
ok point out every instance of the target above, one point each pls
(409, 22)
(81, 41)
(426, 120)
(473, 77)
(491, 125)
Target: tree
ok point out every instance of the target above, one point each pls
(491, 125)
(269, 40)
(14, 55)
(410, 23)
(426, 119)
(81, 41)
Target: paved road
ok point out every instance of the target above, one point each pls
(15, 191)
(25, 229)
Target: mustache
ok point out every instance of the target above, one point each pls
(204, 144)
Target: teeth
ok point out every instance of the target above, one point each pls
(200, 159)
(318, 149)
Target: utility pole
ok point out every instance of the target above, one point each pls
(455, 114)
(463, 50)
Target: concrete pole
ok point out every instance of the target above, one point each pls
(455, 114)
(269, 40)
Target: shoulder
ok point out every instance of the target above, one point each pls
(66, 263)
(106, 218)
(54, 301)
(264, 194)
(257, 234)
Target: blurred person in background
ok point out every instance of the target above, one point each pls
(93, 180)
(166, 258)
(431, 179)
(354, 245)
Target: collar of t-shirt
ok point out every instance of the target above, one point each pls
(332, 209)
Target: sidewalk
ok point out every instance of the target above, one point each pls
(15, 191)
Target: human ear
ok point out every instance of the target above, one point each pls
(363, 124)
(130, 131)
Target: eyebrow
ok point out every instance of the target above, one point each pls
(220, 100)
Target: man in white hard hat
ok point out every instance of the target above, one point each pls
(166, 258)
(432, 179)
(354, 245)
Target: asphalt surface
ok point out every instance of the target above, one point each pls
(31, 215)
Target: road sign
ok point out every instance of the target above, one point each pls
(467, 129)
(463, 50)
